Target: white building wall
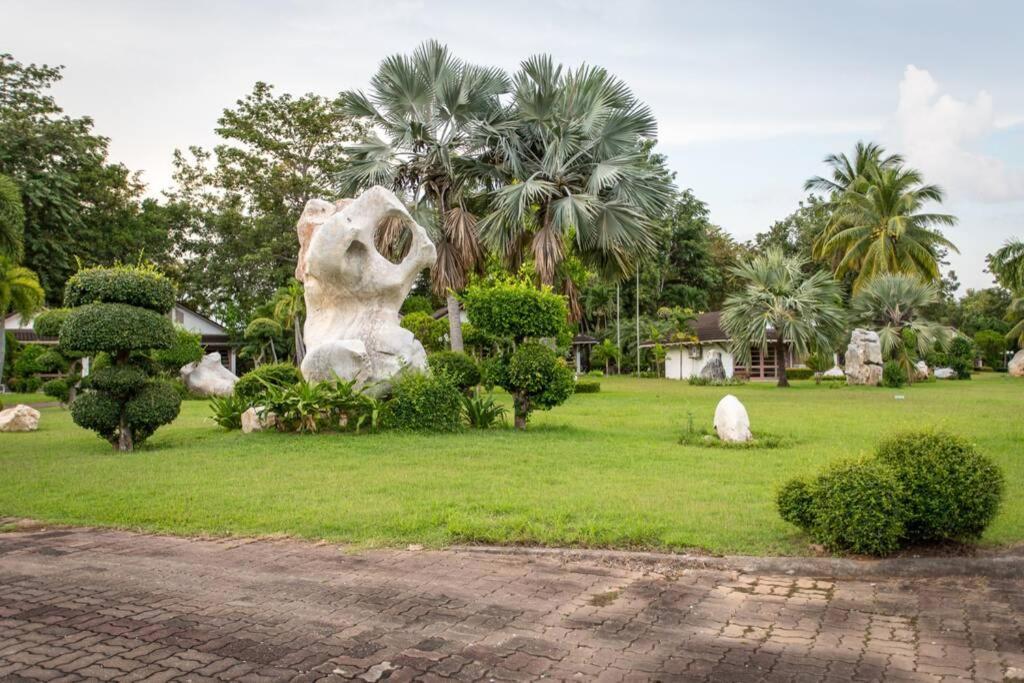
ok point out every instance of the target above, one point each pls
(679, 365)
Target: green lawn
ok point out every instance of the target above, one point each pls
(11, 399)
(604, 470)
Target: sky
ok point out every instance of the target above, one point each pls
(750, 96)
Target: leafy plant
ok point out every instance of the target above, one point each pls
(227, 410)
(253, 385)
(422, 402)
(482, 411)
(894, 375)
(462, 369)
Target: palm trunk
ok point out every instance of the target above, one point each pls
(454, 322)
(273, 351)
(300, 347)
(3, 344)
(780, 353)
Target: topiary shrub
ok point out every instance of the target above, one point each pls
(961, 356)
(799, 373)
(58, 389)
(521, 314)
(186, 348)
(48, 323)
(252, 386)
(422, 402)
(428, 331)
(951, 490)
(858, 506)
(461, 369)
(587, 387)
(121, 311)
(894, 375)
(794, 501)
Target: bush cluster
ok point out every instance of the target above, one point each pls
(252, 386)
(587, 387)
(461, 369)
(920, 486)
(894, 375)
(516, 309)
(429, 331)
(422, 402)
(799, 373)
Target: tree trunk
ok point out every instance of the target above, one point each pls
(124, 437)
(454, 322)
(519, 412)
(3, 344)
(273, 351)
(300, 346)
(780, 353)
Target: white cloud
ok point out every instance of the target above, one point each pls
(938, 133)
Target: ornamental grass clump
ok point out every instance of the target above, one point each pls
(121, 312)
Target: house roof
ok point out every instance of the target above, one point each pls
(707, 328)
(583, 339)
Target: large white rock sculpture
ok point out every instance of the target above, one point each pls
(731, 420)
(353, 293)
(208, 377)
(20, 418)
(864, 358)
(1016, 364)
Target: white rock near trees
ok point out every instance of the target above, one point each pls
(20, 418)
(920, 371)
(864, 358)
(353, 293)
(208, 377)
(1016, 365)
(945, 373)
(732, 423)
(252, 421)
(834, 371)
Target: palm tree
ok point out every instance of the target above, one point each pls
(779, 304)
(582, 174)
(880, 227)
(893, 304)
(1007, 264)
(20, 292)
(847, 173)
(438, 115)
(12, 219)
(289, 310)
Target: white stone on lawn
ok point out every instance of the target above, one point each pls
(20, 418)
(252, 421)
(732, 423)
(945, 373)
(834, 371)
(209, 377)
(1016, 365)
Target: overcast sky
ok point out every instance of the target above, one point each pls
(749, 95)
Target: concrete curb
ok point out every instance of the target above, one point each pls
(1007, 565)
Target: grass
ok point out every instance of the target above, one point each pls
(11, 399)
(604, 470)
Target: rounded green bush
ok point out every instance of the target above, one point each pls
(423, 402)
(587, 387)
(156, 404)
(26, 362)
(428, 331)
(794, 500)
(858, 506)
(951, 490)
(461, 369)
(187, 348)
(130, 285)
(118, 381)
(536, 371)
(59, 389)
(48, 323)
(516, 309)
(250, 386)
(115, 327)
(894, 375)
(98, 412)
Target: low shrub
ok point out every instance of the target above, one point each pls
(857, 506)
(59, 389)
(799, 373)
(587, 387)
(894, 375)
(253, 385)
(794, 501)
(595, 373)
(482, 411)
(429, 331)
(422, 402)
(26, 385)
(462, 369)
(952, 491)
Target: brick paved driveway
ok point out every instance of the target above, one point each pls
(86, 605)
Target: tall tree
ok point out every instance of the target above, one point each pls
(12, 219)
(583, 175)
(233, 210)
(439, 116)
(77, 205)
(20, 292)
(778, 300)
(1007, 264)
(881, 226)
(851, 173)
(289, 311)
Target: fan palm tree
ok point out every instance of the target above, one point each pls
(893, 304)
(12, 219)
(437, 115)
(582, 175)
(1007, 264)
(880, 227)
(289, 310)
(778, 304)
(20, 292)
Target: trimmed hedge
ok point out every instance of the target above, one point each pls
(250, 386)
(799, 373)
(115, 327)
(587, 387)
(120, 381)
(794, 501)
(421, 402)
(428, 331)
(516, 310)
(134, 286)
(99, 412)
(157, 403)
(460, 368)
(48, 323)
(59, 389)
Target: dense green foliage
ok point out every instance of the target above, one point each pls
(115, 327)
(186, 348)
(951, 491)
(48, 323)
(12, 219)
(794, 501)
(422, 402)
(58, 389)
(141, 287)
(587, 386)
(310, 407)
(515, 309)
(118, 381)
(894, 375)
(252, 386)
(429, 331)
(461, 369)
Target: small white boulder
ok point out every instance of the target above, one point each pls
(208, 377)
(253, 421)
(732, 424)
(20, 418)
(834, 371)
(920, 371)
(945, 373)
(1016, 365)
